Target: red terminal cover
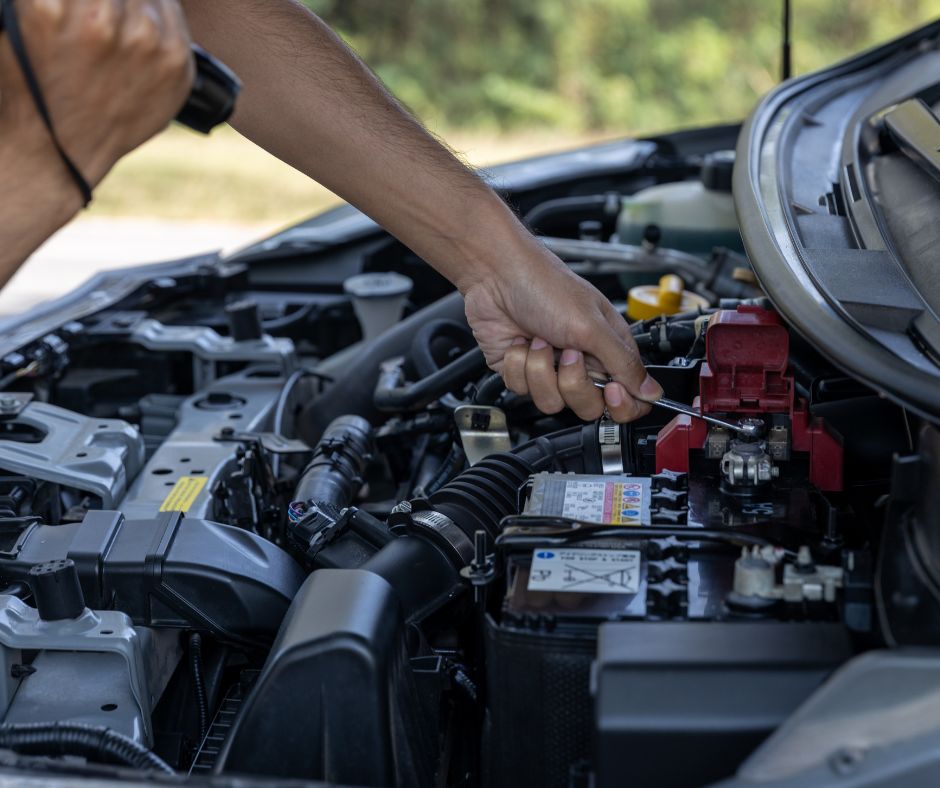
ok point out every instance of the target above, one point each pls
(747, 353)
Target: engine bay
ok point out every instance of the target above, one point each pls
(287, 525)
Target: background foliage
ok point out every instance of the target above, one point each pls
(624, 65)
(506, 79)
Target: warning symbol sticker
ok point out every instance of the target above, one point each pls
(183, 494)
(614, 500)
(616, 503)
(585, 571)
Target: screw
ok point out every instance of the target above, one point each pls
(847, 760)
(9, 403)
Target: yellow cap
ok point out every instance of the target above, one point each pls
(669, 297)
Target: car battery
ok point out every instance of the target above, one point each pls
(542, 641)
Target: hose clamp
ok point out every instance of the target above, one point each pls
(437, 527)
(608, 437)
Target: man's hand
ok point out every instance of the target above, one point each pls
(113, 73)
(529, 308)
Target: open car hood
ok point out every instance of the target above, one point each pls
(838, 198)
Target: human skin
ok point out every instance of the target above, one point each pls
(311, 102)
(113, 73)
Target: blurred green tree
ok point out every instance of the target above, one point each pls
(600, 65)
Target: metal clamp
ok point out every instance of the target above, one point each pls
(608, 436)
(438, 527)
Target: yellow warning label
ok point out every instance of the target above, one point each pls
(183, 494)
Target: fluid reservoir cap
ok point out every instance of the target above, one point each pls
(669, 297)
(378, 285)
(378, 300)
(56, 590)
(717, 169)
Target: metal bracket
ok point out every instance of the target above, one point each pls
(483, 431)
(98, 456)
(209, 347)
(270, 441)
(107, 631)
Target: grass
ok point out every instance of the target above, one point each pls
(183, 176)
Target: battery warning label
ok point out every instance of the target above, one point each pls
(585, 571)
(184, 494)
(613, 500)
(614, 503)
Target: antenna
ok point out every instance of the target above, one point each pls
(786, 68)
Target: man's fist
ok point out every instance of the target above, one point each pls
(532, 307)
(112, 72)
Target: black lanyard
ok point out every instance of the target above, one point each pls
(10, 23)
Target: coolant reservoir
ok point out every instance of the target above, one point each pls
(669, 297)
(692, 216)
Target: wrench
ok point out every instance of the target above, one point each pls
(748, 430)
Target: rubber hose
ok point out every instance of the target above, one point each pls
(490, 390)
(334, 475)
(633, 258)
(94, 742)
(415, 396)
(573, 209)
(452, 463)
(422, 571)
(422, 347)
(423, 576)
(573, 450)
(199, 686)
(483, 495)
(355, 380)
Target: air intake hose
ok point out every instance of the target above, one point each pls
(334, 475)
(436, 534)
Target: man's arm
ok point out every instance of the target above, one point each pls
(310, 101)
(39, 198)
(112, 73)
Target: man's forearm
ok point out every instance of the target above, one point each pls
(346, 132)
(39, 201)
